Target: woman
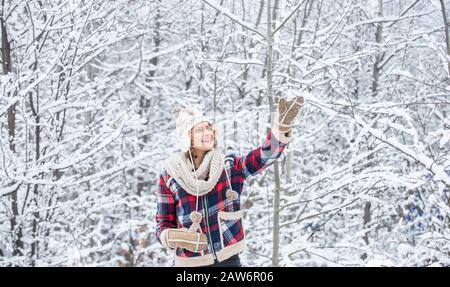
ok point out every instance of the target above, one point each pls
(199, 214)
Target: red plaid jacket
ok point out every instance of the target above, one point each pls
(222, 218)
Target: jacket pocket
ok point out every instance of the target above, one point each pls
(230, 227)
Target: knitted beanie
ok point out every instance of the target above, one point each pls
(185, 119)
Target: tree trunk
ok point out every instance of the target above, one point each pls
(144, 101)
(35, 112)
(292, 71)
(276, 197)
(366, 219)
(378, 57)
(447, 36)
(375, 86)
(16, 230)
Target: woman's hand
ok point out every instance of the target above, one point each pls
(287, 112)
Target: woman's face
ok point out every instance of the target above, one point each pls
(202, 136)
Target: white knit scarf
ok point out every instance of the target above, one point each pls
(179, 167)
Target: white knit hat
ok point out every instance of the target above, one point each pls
(185, 119)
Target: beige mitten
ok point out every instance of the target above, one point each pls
(184, 238)
(287, 112)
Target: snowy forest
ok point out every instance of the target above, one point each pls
(86, 92)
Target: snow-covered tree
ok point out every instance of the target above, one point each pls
(86, 90)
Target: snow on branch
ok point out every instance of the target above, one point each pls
(427, 162)
(233, 17)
